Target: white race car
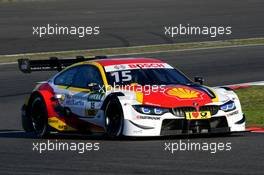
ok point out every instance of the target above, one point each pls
(126, 96)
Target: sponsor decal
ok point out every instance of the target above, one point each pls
(174, 96)
(59, 124)
(183, 93)
(52, 120)
(90, 112)
(73, 102)
(198, 115)
(147, 117)
(147, 65)
(137, 131)
(131, 66)
(76, 97)
(232, 113)
(120, 67)
(95, 97)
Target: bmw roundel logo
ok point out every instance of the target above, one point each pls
(195, 104)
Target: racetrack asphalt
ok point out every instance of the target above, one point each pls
(136, 156)
(122, 23)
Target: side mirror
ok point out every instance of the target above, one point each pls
(93, 86)
(199, 80)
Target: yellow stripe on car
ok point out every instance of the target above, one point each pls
(101, 69)
(139, 97)
(59, 124)
(216, 99)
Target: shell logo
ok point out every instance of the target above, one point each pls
(183, 93)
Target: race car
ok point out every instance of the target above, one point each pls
(125, 97)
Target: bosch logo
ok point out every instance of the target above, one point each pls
(119, 67)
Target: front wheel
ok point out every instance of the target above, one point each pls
(39, 117)
(114, 119)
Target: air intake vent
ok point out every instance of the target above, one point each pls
(180, 111)
(212, 108)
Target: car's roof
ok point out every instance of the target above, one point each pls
(116, 61)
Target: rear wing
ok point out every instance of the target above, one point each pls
(26, 65)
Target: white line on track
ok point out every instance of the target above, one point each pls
(2, 64)
(193, 49)
(7, 132)
(142, 53)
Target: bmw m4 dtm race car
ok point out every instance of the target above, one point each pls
(125, 96)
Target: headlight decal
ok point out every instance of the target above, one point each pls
(150, 110)
(145, 110)
(228, 106)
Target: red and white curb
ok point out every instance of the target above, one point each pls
(245, 85)
(255, 129)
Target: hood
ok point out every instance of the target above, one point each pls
(176, 96)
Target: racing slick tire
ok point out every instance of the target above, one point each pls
(39, 117)
(26, 121)
(114, 119)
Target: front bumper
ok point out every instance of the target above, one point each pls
(183, 126)
(136, 124)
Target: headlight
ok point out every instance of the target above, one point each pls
(150, 110)
(229, 106)
(145, 110)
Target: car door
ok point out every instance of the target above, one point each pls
(62, 85)
(73, 83)
(87, 100)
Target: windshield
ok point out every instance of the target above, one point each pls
(143, 77)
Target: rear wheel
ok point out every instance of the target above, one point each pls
(26, 120)
(114, 119)
(39, 117)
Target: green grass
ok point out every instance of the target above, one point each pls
(252, 100)
(136, 49)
